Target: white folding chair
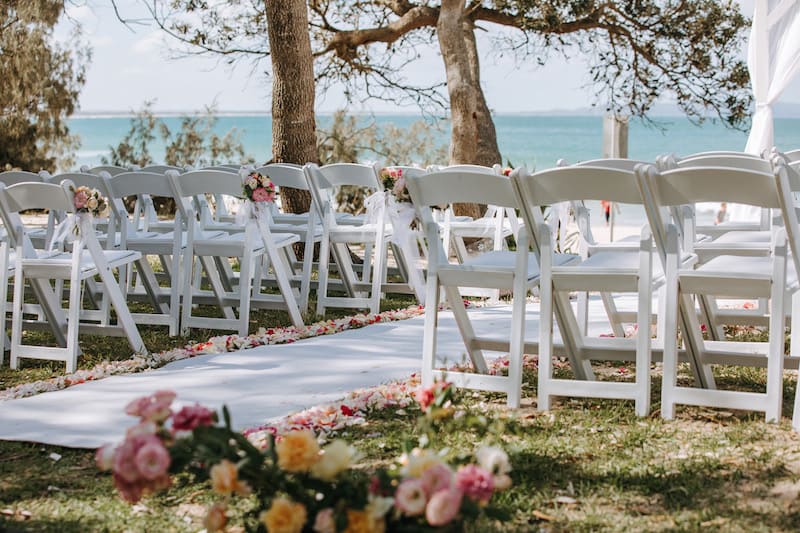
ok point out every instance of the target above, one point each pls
(250, 245)
(168, 246)
(86, 260)
(768, 276)
(609, 272)
(495, 269)
(307, 226)
(363, 291)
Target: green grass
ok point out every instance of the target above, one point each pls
(588, 465)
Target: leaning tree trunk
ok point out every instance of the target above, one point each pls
(460, 87)
(293, 122)
(488, 153)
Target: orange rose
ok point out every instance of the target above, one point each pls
(284, 516)
(362, 522)
(225, 479)
(297, 451)
(216, 518)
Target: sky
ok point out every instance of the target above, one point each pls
(131, 66)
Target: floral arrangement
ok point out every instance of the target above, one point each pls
(259, 188)
(302, 484)
(393, 181)
(507, 171)
(86, 200)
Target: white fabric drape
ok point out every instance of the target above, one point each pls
(773, 60)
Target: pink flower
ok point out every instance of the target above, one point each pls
(193, 416)
(424, 397)
(324, 522)
(437, 478)
(410, 497)
(262, 195)
(125, 461)
(152, 460)
(80, 199)
(155, 408)
(475, 482)
(142, 428)
(443, 507)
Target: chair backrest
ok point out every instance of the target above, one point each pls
(201, 182)
(721, 153)
(564, 184)
(466, 168)
(24, 196)
(224, 168)
(728, 161)
(612, 162)
(112, 170)
(285, 175)
(162, 169)
(451, 186)
(691, 185)
(139, 182)
(338, 174)
(12, 177)
(793, 156)
(97, 181)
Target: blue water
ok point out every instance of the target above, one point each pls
(534, 140)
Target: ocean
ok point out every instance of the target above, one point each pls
(537, 141)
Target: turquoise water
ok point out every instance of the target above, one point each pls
(535, 140)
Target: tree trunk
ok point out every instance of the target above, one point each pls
(488, 153)
(460, 87)
(293, 121)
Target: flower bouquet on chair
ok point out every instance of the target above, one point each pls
(394, 182)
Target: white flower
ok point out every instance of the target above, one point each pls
(252, 182)
(336, 457)
(91, 203)
(493, 459)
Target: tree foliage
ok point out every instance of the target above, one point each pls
(196, 144)
(39, 86)
(636, 50)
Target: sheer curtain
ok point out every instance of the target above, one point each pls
(773, 60)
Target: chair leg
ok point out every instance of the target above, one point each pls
(324, 266)
(465, 327)
(543, 396)
(612, 314)
(669, 380)
(430, 332)
(777, 328)
(643, 341)
(246, 291)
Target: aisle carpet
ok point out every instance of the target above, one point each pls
(258, 384)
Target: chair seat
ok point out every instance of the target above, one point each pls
(733, 275)
(744, 236)
(299, 230)
(232, 244)
(153, 242)
(363, 233)
(504, 261)
(58, 264)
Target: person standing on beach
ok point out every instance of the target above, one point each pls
(722, 213)
(606, 205)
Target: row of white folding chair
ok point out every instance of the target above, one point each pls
(554, 183)
(767, 276)
(494, 269)
(86, 260)
(203, 244)
(256, 241)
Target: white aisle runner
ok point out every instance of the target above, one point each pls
(258, 385)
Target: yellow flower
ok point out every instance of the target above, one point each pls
(418, 462)
(362, 522)
(297, 451)
(335, 458)
(225, 479)
(284, 516)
